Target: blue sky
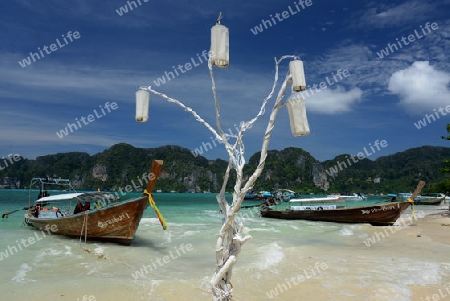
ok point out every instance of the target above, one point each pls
(384, 96)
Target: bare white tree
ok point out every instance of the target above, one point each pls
(231, 238)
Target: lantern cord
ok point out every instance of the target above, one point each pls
(219, 18)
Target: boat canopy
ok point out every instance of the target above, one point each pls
(312, 200)
(285, 190)
(88, 196)
(58, 197)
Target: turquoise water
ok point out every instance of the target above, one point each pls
(181, 260)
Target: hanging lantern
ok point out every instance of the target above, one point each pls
(298, 75)
(220, 45)
(142, 102)
(297, 115)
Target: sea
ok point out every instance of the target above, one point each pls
(284, 260)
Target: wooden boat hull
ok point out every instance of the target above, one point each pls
(115, 223)
(434, 202)
(377, 215)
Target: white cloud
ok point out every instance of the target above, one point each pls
(421, 88)
(334, 101)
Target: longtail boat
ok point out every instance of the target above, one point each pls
(378, 215)
(110, 220)
(429, 201)
(424, 199)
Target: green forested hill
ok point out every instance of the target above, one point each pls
(292, 168)
(396, 172)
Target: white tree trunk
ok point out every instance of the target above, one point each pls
(230, 238)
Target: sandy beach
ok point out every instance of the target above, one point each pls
(434, 229)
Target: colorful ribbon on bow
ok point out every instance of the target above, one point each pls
(153, 204)
(412, 206)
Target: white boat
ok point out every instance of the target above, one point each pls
(433, 195)
(447, 198)
(285, 194)
(352, 197)
(326, 199)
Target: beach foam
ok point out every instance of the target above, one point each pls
(22, 273)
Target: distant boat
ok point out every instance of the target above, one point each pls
(318, 209)
(250, 196)
(377, 215)
(430, 199)
(433, 201)
(264, 194)
(443, 195)
(424, 199)
(285, 194)
(111, 220)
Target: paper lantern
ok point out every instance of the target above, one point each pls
(297, 116)
(220, 46)
(142, 102)
(298, 75)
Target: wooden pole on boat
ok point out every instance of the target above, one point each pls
(414, 195)
(417, 191)
(10, 212)
(156, 169)
(157, 166)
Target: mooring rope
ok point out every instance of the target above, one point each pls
(84, 228)
(412, 207)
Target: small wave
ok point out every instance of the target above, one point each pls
(184, 225)
(211, 212)
(269, 256)
(346, 232)
(52, 252)
(168, 236)
(294, 227)
(22, 272)
(189, 233)
(68, 250)
(147, 221)
(99, 250)
(393, 281)
(262, 229)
